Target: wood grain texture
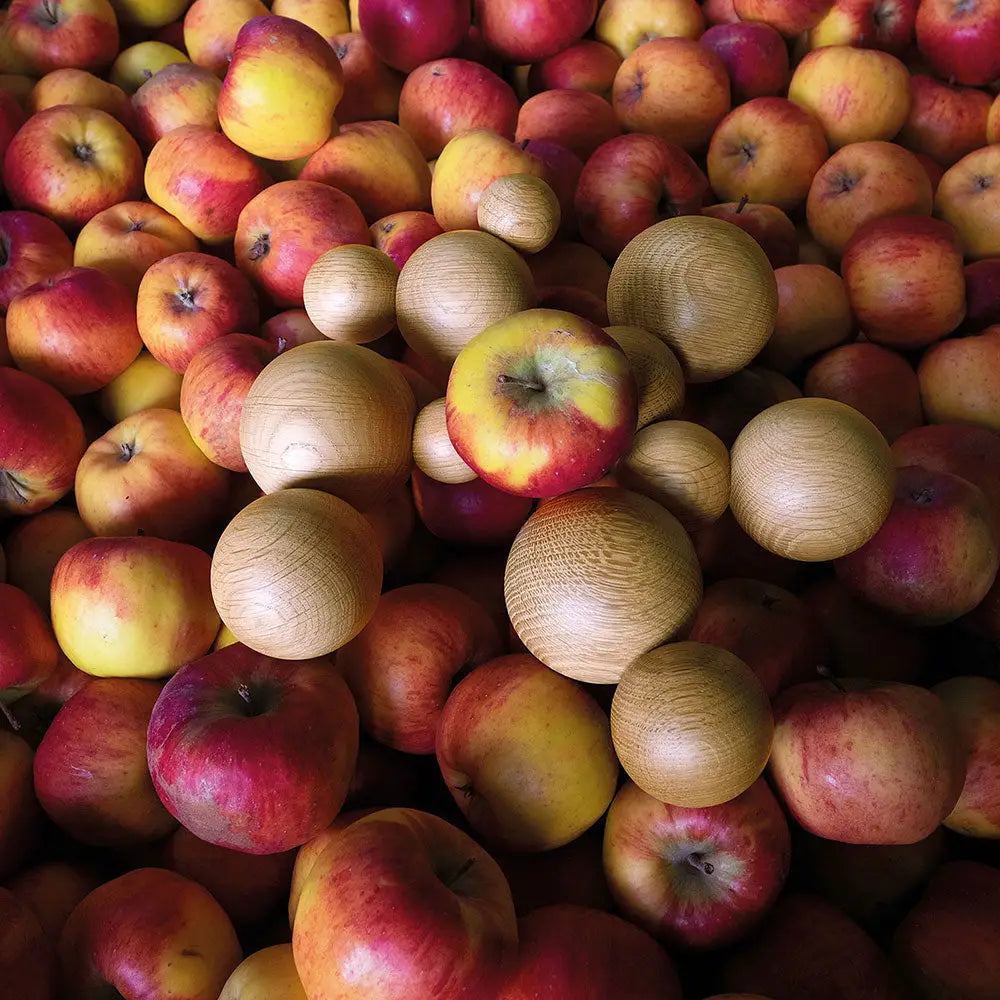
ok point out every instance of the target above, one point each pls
(691, 724)
(350, 293)
(433, 451)
(329, 416)
(702, 285)
(297, 574)
(659, 378)
(456, 285)
(812, 479)
(522, 210)
(598, 576)
(683, 466)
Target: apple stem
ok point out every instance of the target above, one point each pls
(695, 860)
(9, 716)
(827, 674)
(521, 383)
(743, 203)
(465, 866)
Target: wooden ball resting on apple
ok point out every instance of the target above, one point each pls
(297, 574)
(691, 724)
(350, 293)
(433, 452)
(335, 417)
(522, 210)
(812, 479)
(702, 285)
(598, 576)
(454, 286)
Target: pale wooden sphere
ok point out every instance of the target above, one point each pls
(659, 379)
(334, 417)
(522, 210)
(702, 285)
(691, 724)
(812, 479)
(350, 293)
(597, 576)
(681, 465)
(433, 452)
(454, 286)
(297, 574)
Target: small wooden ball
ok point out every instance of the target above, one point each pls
(702, 285)
(597, 576)
(433, 451)
(350, 293)
(522, 210)
(454, 286)
(297, 574)
(659, 379)
(335, 417)
(691, 724)
(681, 465)
(812, 479)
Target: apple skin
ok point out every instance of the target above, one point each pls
(90, 768)
(27, 961)
(20, 822)
(564, 168)
(576, 119)
(28, 650)
(626, 24)
(179, 94)
(945, 122)
(148, 933)
(982, 295)
(725, 550)
(144, 385)
(77, 86)
(696, 878)
(958, 380)
(82, 34)
(210, 28)
(371, 89)
(767, 224)
(960, 40)
(575, 951)
(755, 57)
(407, 33)
(401, 233)
(268, 974)
(441, 921)
(790, 17)
(34, 248)
(872, 24)
(968, 196)
(527, 31)
(41, 443)
(586, 65)
(52, 890)
(139, 62)
(288, 329)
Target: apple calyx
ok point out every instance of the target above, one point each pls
(84, 152)
(254, 699)
(127, 450)
(698, 862)
(451, 880)
(261, 247)
(12, 490)
(47, 13)
(134, 225)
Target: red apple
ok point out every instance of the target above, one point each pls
(586, 65)
(982, 294)
(12, 117)
(20, 821)
(82, 34)
(399, 234)
(32, 248)
(790, 17)
(563, 176)
(28, 650)
(755, 57)
(27, 962)
(177, 95)
(960, 39)
(576, 119)
(371, 88)
(527, 31)
(210, 27)
(407, 33)
(767, 224)
(945, 121)
(873, 24)
(288, 329)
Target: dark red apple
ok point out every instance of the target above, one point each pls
(406, 33)
(755, 56)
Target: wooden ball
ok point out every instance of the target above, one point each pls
(350, 293)
(681, 465)
(334, 417)
(522, 210)
(659, 378)
(812, 479)
(702, 285)
(691, 724)
(433, 452)
(598, 576)
(297, 574)
(454, 286)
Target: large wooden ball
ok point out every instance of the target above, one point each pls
(330, 416)
(297, 574)
(522, 210)
(598, 576)
(691, 724)
(812, 479)
(704, 286)
(454, 286)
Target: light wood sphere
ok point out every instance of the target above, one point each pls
(702, 285)
(681, 465)
(811, 479)
(433, 452)
(334, 417)
(659, 378)
(522, 210)
(691, 724)
(297, 574)
(454, 286)
(350, 293)
(597, 576)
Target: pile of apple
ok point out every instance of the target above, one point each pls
(500, 500)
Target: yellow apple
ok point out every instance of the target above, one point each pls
(328, 17)
(146, 384)
(268, 974)
(136, 64)
(969, 198)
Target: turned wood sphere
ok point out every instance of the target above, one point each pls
(522, 210)
(297, 574)
(681, 465)
(350, 293)
(330, 416)
(659, 378)
(597, 576)
(811, 479)
(454, 286)
(433, 452)
(702, 285)
(691, 724)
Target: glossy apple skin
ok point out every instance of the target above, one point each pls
(149, 932)
(77, 86)
(945, 121)
(179, 94)
(442, 921)
(82, 34)
(960, 40)
(371, 88)
(34, 248)
(527, 31)
(28, 961)
(967, 197)
(408, 33)
(790, 17)
(401, 233)
(267, 974)
(873, 24)
(20, 822)
(28, 650)
(586, 65)
(288, 329)
(210, 28)
(755, 57)
(564, 168)
(576, 119)
(767, 224)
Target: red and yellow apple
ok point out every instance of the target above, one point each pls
(179, 94)
(371, 89)
(33, 249)
(210, 29)
(79, 34)
(77, 86)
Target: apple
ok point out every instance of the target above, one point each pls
(288, 329)
(77, 86)
(586, 65)
(755, 57)
(32, 248)
(211, 27)
(41, 443)
(199, 176)
(35, 544)
(286, 228)
(328, 17)
(189, 299)
(52, 890)
(28, 650)
(624, 25)
(407, 33)
(146, 384)
(790, 17)
(958, 380)
(769, 150)
(148, 933)
(268, 974)
(179, 94)
(968, 196)
(767, 224)
(945, 121)
(20, 822)
(564, 170)
(400, 233)
(371, 88)
(27, 960)
(527, 31)
(871, 24)
(982, 294)
(147, 476)
(960, 39)
(82, 34)
(566, 263)
(576, 119)
(12, 117)
(696, 878)
(18, 84)
(137, 63)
